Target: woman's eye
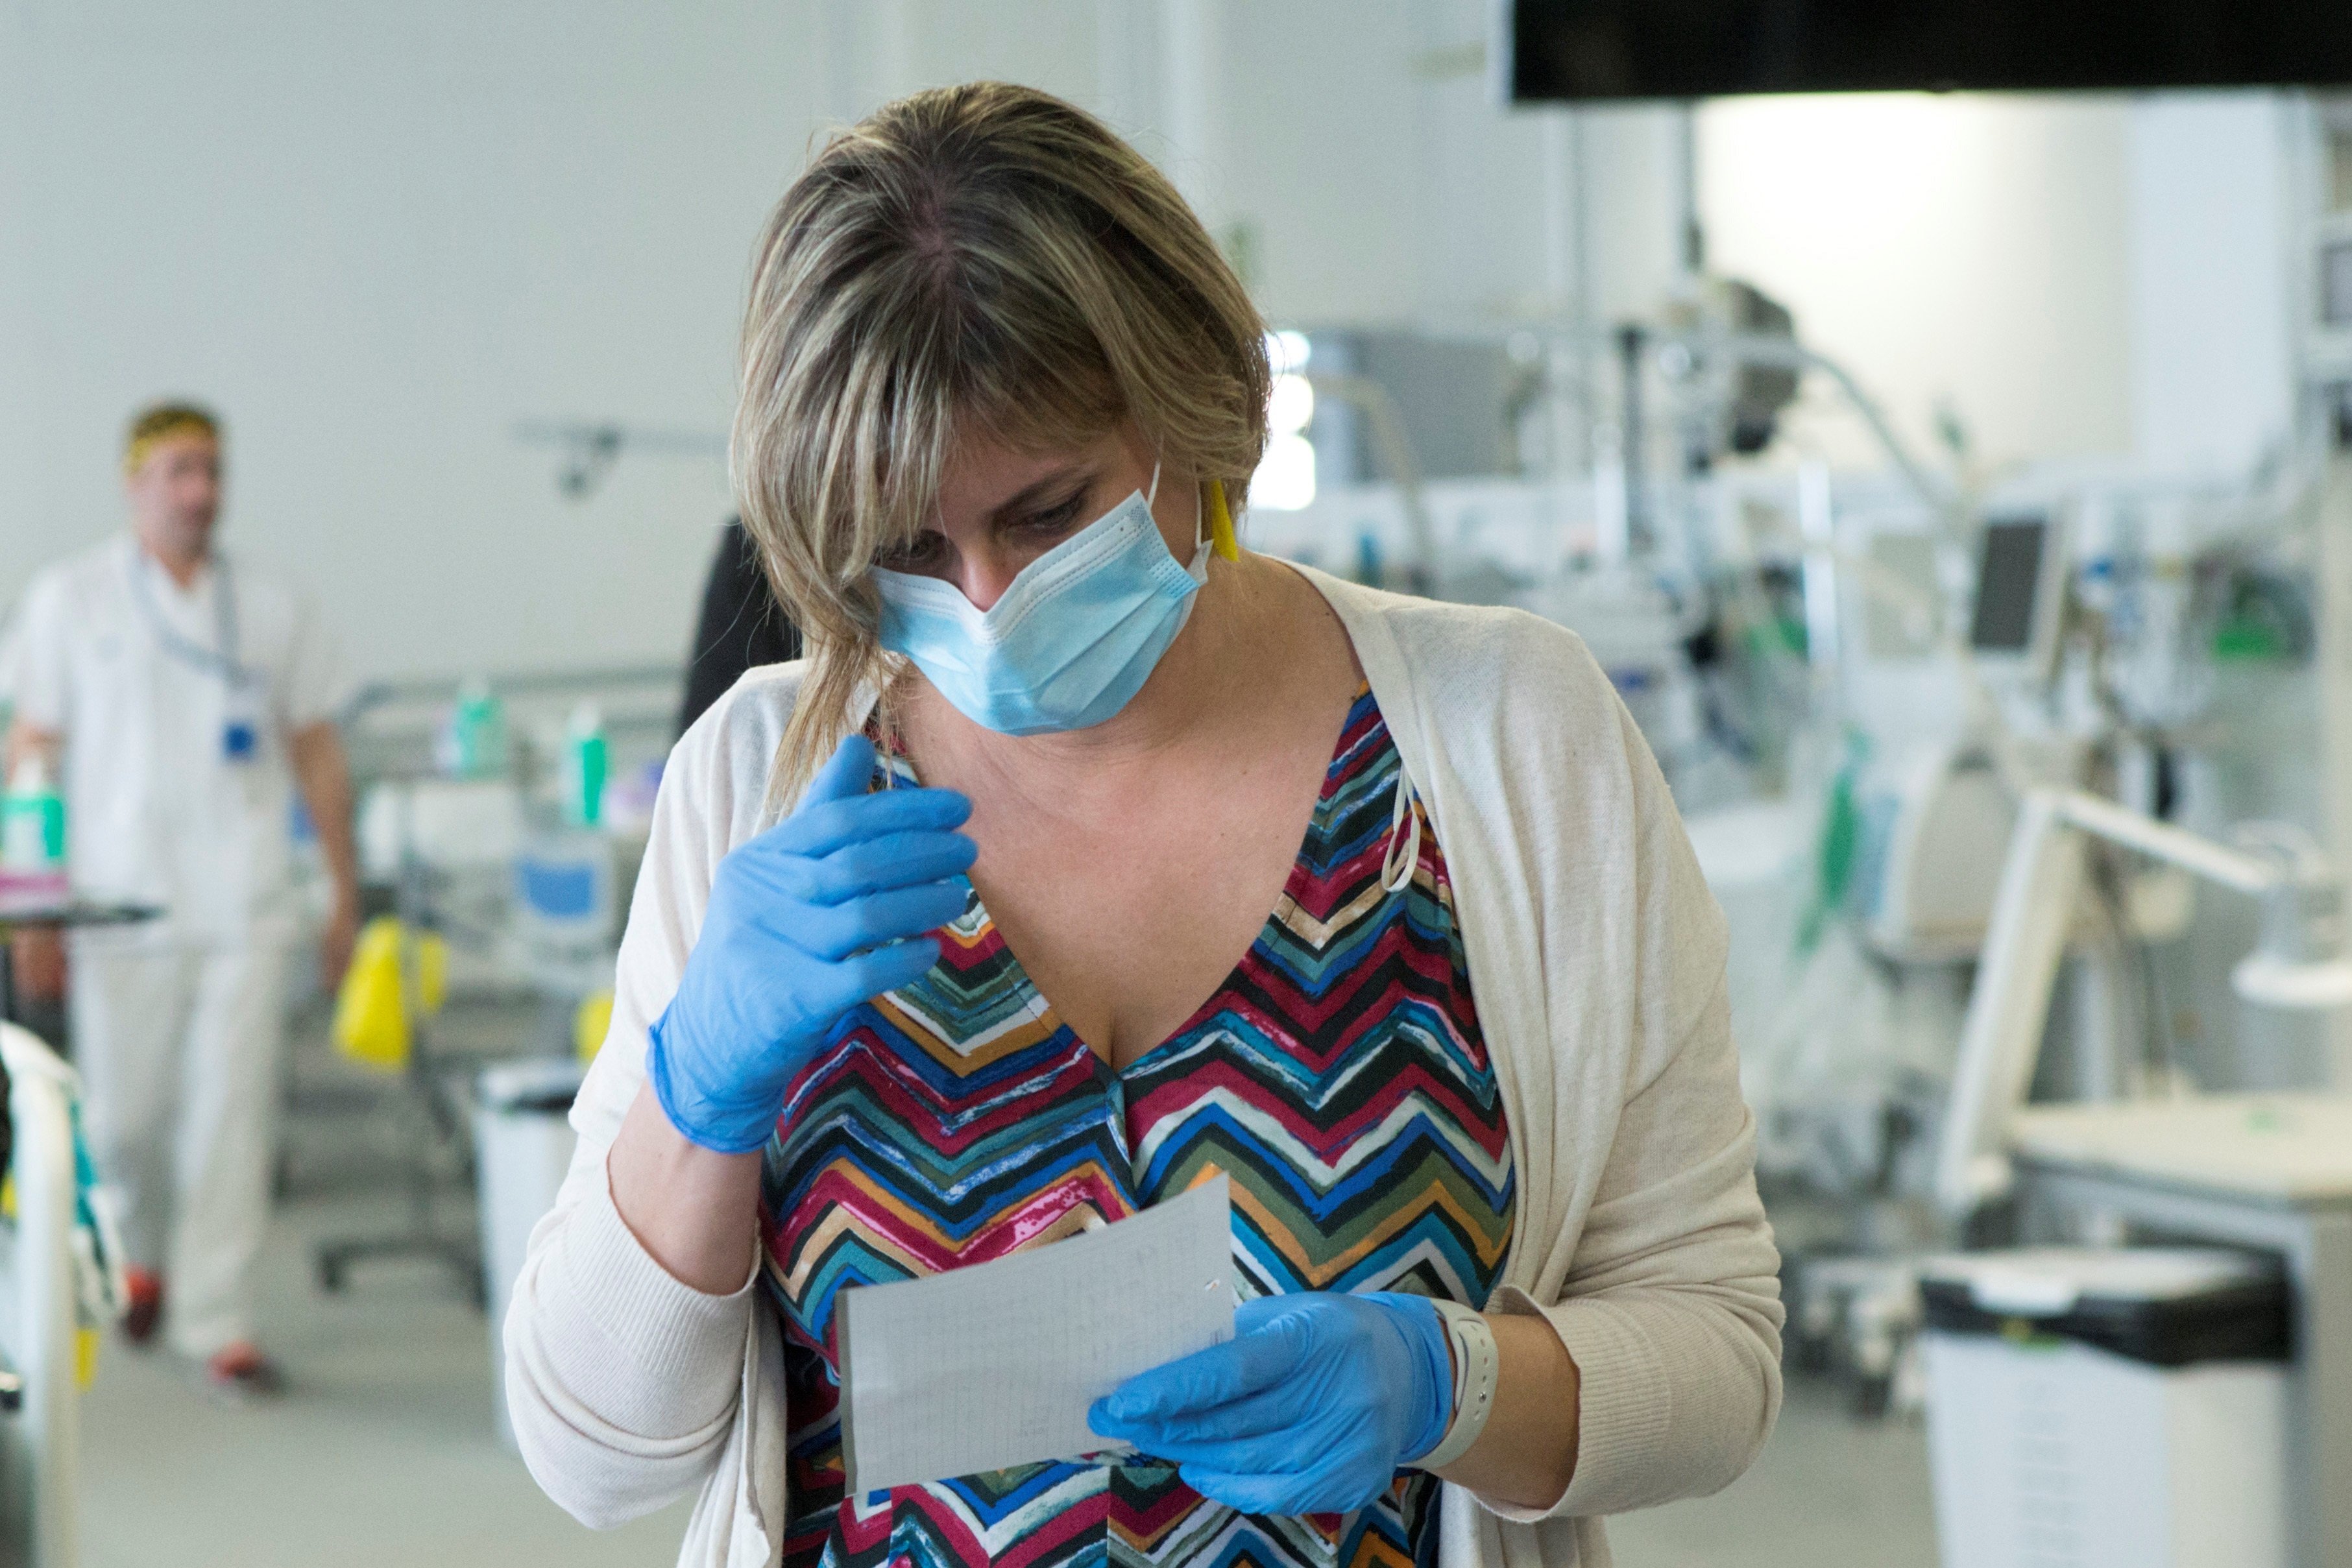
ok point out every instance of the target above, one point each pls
(1058, 519)
(919, 554)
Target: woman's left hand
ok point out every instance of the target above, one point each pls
(1309, 1409)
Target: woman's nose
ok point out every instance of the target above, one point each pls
(983, 574)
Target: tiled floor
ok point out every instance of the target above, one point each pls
(1828, 1492)
(381, 1455)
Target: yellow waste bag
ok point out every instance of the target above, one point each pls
(371, 1019)
(432, 953)
(591, 1024)
(372, 1022)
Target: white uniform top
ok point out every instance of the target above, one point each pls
(141, 678)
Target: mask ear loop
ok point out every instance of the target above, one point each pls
(1203, 527)
(1396, 871)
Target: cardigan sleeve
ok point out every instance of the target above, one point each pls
(1671, 1307)
(623, 1383)
(1598, 955)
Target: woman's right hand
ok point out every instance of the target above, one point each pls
(821, 912)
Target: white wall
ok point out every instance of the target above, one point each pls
(377, 237)
(2211, 177)
(1968, 249)
(2108, 276)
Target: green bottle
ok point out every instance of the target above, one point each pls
(478, 733)
(585, 758)
(32, 824)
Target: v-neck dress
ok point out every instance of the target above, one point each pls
(1337, 1076)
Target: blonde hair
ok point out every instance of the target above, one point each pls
(983, 260)
(158, 423)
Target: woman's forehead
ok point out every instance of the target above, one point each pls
(985, 472)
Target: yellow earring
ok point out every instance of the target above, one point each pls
(1221, 523)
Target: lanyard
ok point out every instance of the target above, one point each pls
(221, 661)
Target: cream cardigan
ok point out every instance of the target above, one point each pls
(1597, 958)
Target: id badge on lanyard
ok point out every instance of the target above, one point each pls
(241, 721)
(242, 694)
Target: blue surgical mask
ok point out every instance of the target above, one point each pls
(1072, 640)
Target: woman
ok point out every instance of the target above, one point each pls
(954, 938)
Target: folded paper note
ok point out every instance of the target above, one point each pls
(992, 1367)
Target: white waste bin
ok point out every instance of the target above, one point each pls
(523, 1142)
(2107, 1409)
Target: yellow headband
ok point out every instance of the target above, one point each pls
(143, 446)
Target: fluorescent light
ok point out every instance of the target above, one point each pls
(1286, 351)
(1293, 405)
(1285, 481)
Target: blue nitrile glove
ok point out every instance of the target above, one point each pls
(1309, 1409)
(818, 914)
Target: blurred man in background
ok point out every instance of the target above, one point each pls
(183, 702)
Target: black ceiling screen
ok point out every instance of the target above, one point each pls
(1574, 49)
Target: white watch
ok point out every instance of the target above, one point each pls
(1478, 1367)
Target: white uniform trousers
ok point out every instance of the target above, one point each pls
(178, 1048)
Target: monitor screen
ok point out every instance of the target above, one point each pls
(2009, 577)
(1573, 49)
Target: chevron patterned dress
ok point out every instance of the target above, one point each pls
(1337, 1076)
